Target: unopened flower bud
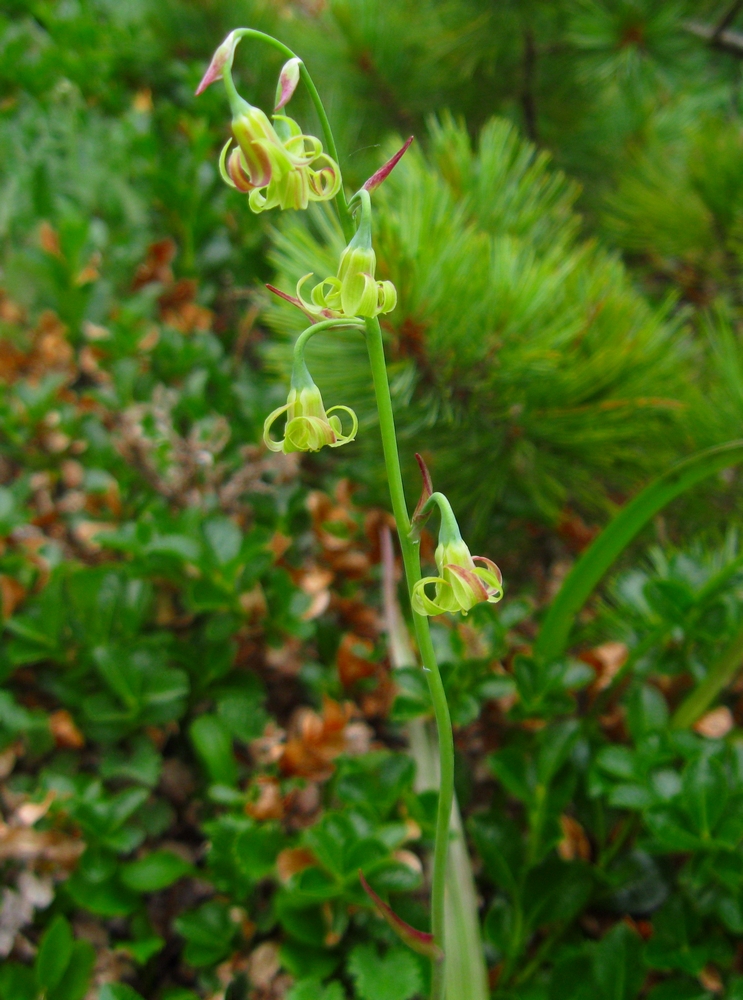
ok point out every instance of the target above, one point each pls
(460, 583)
(221, 58)
(381, 175)
(288, 80)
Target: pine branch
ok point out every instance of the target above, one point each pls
(725, 40)
(528, 102)
(727, 18)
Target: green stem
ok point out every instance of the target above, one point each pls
(719, 676)
(411, 561)
(449, 531)
(540, 955)
(340, 199)
(629, 827)
(326, 324)
(409, 547)
(301, 378)
(516, 942)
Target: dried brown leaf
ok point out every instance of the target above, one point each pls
(269, 803)
(574, 843)
(65, 732)
(11, 594)
(293, 860)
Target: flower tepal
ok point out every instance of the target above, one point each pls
(273, 162)
(309, 426)
(461, 583)
(354, 291)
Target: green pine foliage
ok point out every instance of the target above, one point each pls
(513, 338)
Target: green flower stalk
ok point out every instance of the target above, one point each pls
(279, 166)
(354, 291)
(276, 166)
(309, 426)
(460, 584)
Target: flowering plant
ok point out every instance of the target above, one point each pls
(277, 165)
(460, 584)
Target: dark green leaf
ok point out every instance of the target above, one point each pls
(224, 539)
(617, 964)
(118, 991)
(705, 793)
(393, 976)
(208, 932)
(213, 743)
(75, 982)
(500, 845)
(55, 951)
(17, 982)
(256, 849)
(154, 871)
(307, 961)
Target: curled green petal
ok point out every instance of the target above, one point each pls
(222, 168)
(344, 438)
(330, 299)
(421, 602)
(258, 202)
(468, 588)
(303, 149)
(313, 307)
(490, 567)
(491, 577)
(386, 296)
(308, 434)
(325, 182)
(308, 426)
(267, 424)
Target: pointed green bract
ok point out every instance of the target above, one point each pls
(418, 941)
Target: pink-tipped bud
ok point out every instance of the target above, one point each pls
(220, 59)
(288, 80)
(383, 173)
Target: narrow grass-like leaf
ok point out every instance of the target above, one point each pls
(720, 674)
(598, 558)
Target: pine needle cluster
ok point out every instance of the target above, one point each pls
(525, 360)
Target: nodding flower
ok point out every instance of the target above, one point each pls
(309, 426)
(354, 291)
(274, 164)
(460, 583)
